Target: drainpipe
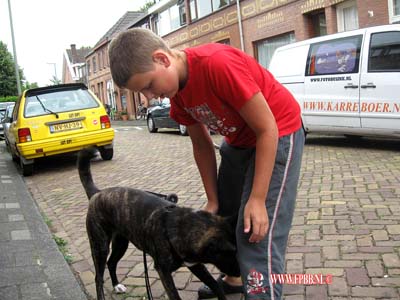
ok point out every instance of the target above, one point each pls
(240, 25)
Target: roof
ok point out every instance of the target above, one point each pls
(129, 18)
(77, 55)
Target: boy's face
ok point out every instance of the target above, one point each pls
(161, 82)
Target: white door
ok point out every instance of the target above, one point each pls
(332, 85)
(380, 82)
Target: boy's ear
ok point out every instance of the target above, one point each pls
(161, 57)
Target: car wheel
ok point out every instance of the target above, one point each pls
(27, 169)
(183, 130)
(13, 155)
(151, 126)
(106, 153)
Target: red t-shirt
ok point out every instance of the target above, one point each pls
(221, 79)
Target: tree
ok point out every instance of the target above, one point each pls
(55, 80)
(8, 82)
(147, 5)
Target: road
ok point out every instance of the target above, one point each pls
(347, 219)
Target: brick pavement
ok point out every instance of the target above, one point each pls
(347, 220)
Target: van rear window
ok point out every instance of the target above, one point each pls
(334, 56)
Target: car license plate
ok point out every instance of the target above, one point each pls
(66, 126)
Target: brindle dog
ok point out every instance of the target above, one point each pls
(170, 234)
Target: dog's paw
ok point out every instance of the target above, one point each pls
(120, 288)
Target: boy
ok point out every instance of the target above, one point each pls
(227, 90)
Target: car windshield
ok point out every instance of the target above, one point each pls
(2, 112)
(58, 101)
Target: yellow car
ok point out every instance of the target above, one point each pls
(58, 119)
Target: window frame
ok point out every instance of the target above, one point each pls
(392, 17)
(166, 12)
(370, 52)
(340, 15)
(272, 39)
(196, 7)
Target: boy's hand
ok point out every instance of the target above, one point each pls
(256, 220)
(211, 207)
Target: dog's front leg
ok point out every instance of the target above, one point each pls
(202, 273)
(169, 285)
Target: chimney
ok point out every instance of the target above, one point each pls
(74, 54)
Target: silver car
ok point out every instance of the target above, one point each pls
(5, 116)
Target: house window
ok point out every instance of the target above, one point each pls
(100, 60)
(182, 14)
(171, 19)
(88, 67)
(201, 8)
(394, 11)
(347, 16)
(204, 7)
(94, 65)
(319, 24)
(225, 42)
(266, 48)
(193, 10)
(217, 4)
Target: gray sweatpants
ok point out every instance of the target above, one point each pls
(235, 178)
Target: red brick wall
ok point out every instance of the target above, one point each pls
(379, 9)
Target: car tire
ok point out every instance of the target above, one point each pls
(27, 169)
(151, 126)
(13, 155)
(106, 153)
(183, 130)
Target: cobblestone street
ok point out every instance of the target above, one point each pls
(347, 219)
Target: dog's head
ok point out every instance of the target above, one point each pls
(211, 239)
(219, 245)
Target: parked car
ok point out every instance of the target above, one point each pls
(158, 117)
(3, 106)
(346, 83)
(55, 120)
(5, 122)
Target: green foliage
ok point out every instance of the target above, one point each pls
(147, 5)
(62, 246)
(8, 82)
(55, 80)
(9, 99)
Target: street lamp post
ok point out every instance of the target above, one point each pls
(14, 50)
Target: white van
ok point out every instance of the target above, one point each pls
(347, 83)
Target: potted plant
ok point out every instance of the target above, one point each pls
(124, 115)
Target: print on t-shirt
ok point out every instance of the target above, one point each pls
(203, 114)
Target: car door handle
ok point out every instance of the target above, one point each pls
(368, 85)
(351, 86)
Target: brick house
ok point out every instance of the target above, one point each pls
(257, 27)
(74, 66)
(98, 67)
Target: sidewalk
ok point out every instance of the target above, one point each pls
(31, 266)
(119, 123)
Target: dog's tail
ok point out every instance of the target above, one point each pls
(84, 157)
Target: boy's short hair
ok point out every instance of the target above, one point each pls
(131, 53)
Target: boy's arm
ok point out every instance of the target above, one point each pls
(260, 119)
(204, 155)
